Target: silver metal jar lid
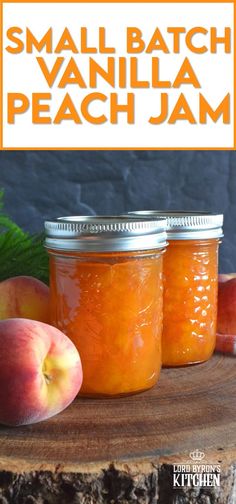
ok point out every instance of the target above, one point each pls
(105, 234)
(187, 225)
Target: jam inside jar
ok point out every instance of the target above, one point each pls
(190, 301)
(190, 275)
(110, 304)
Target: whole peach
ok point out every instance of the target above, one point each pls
(227, 305)
(40, 371)
(24, 297)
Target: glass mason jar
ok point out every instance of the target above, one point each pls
(190, 286)
(106, 293)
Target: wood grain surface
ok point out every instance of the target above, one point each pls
(192, 407)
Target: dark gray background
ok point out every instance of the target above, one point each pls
(45, 184)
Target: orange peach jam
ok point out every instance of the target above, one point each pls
(111, 308)
(110, 303)
(190, 301)
(190, 274)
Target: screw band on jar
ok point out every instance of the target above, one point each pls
(105, 233)
(182, 225)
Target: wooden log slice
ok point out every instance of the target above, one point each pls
(123, 450)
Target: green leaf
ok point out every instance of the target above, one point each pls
(20, 253)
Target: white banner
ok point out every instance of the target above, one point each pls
(118, 75)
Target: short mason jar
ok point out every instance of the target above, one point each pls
(106, 292)
(190, 285)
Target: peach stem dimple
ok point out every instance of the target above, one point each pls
(47, 376)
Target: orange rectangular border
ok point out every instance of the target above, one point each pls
(112, 148)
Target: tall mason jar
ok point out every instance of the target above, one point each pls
(106, 294)
(190, 272)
